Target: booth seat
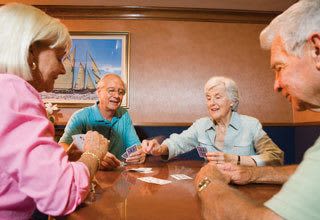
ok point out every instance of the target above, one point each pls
(294, 140)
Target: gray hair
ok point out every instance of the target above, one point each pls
(294, 26)
(22, 26)
(231, 89)
(104, 78)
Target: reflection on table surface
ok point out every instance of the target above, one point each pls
(120, 195)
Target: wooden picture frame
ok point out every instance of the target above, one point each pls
(93, 54)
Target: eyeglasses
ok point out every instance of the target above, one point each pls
(113, 91)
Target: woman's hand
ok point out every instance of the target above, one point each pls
(220, 157)
(154, 148)
(73, 152)
(96, 143)
(109, 162)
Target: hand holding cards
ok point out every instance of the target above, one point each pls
(129, 151)
(78, 140)
(93, 140)
(132, 149)
(134, 154)
(202, 151)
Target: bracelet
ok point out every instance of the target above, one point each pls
(93, 155)
(238, 162)
(203, 184)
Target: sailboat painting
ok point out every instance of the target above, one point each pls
(92, 56)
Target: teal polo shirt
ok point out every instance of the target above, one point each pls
(119, 130)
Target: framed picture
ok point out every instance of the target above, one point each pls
(92, 56)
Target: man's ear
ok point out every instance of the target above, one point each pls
(315, 41)
(97, 91)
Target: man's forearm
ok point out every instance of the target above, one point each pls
(220, 201)
(164, 150)
(270, 174)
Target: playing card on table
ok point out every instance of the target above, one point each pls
(202, 151)
(154, 180)
(78, 140)
(181, 177)
(131, 149)
(141, 169)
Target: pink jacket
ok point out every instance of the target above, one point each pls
(34, 169)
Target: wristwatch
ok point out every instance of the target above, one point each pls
(203, 184)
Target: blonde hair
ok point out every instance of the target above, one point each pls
(294, 26)
(23, 26)
(230, 86)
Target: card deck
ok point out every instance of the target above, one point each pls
(131, 149)
(124, 155)
(78, 140)
(202, 151)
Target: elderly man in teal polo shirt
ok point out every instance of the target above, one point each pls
(109, 119)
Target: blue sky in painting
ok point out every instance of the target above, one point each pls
(105, 52)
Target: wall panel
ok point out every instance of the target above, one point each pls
(171, 61)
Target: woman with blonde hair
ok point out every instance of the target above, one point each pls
(34, 169)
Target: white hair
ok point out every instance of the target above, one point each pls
(23, 26)
(230, 86)
(294, 26)
(103, 80)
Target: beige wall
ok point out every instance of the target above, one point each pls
(306, 117)
(171, 61)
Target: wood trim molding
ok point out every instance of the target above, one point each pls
(175, 124)
(186, 124)
(158, 13)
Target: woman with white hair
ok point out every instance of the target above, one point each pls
(34, 169)
(227, 135)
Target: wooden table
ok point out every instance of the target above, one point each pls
(121, 195)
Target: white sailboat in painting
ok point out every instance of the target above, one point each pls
(95, 70)
(79, 82)
(79, 78)
(65, 81)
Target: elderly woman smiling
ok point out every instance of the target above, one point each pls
(34, 169)
(227, 135)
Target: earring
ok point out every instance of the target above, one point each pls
(34, 66)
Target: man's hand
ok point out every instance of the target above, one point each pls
(212, 172)
(237, 174)
(109, 162)
(154, 148)
(220, 157)
(137, 157)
